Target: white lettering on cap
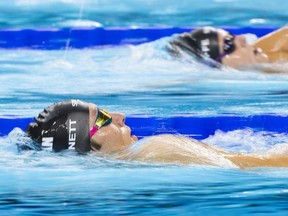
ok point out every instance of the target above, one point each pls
(74, 102)
(205, 47)
(47, 141)
(72, 133)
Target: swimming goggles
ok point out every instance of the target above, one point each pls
(229, 47)
(103, 119)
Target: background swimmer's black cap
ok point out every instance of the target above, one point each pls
(63, 125)
(202, 42)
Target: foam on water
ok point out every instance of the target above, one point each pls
(130, 78)
(246, 141)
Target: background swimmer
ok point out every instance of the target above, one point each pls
(85, 127)
(217, 46)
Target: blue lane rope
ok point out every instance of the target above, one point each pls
(55, 39)
(198, 127)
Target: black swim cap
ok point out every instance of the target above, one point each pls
(63, 125)
(202, 42)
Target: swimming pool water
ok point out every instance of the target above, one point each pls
(130, 79)
(136, 80)
(162, 190)
(141, 13)
(43, 183)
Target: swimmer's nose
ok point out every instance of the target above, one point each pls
(241, 40)
(118, 119)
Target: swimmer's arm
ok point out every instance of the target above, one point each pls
(245, 161)
(268, 41)
(175, 149)
(275, 44)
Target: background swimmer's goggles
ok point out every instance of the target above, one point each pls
(229, 47)
(103, 119)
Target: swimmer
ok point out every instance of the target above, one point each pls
(218, 47)
(82, 126)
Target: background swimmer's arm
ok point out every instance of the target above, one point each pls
(275, 44)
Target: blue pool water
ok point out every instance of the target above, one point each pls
(141, 13)
(137, 80)
(130, 79)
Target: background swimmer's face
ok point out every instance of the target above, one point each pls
(114, 136)
(244, 55)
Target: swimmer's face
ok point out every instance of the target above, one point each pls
(244, 54)
(113, 137)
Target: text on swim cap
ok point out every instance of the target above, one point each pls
(75, 102)
(47, 142)
(205, 47)
(72, 133)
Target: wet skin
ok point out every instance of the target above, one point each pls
(116, 137)
(113, 137)
(244, 55)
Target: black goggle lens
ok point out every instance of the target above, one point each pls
(229, 45)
